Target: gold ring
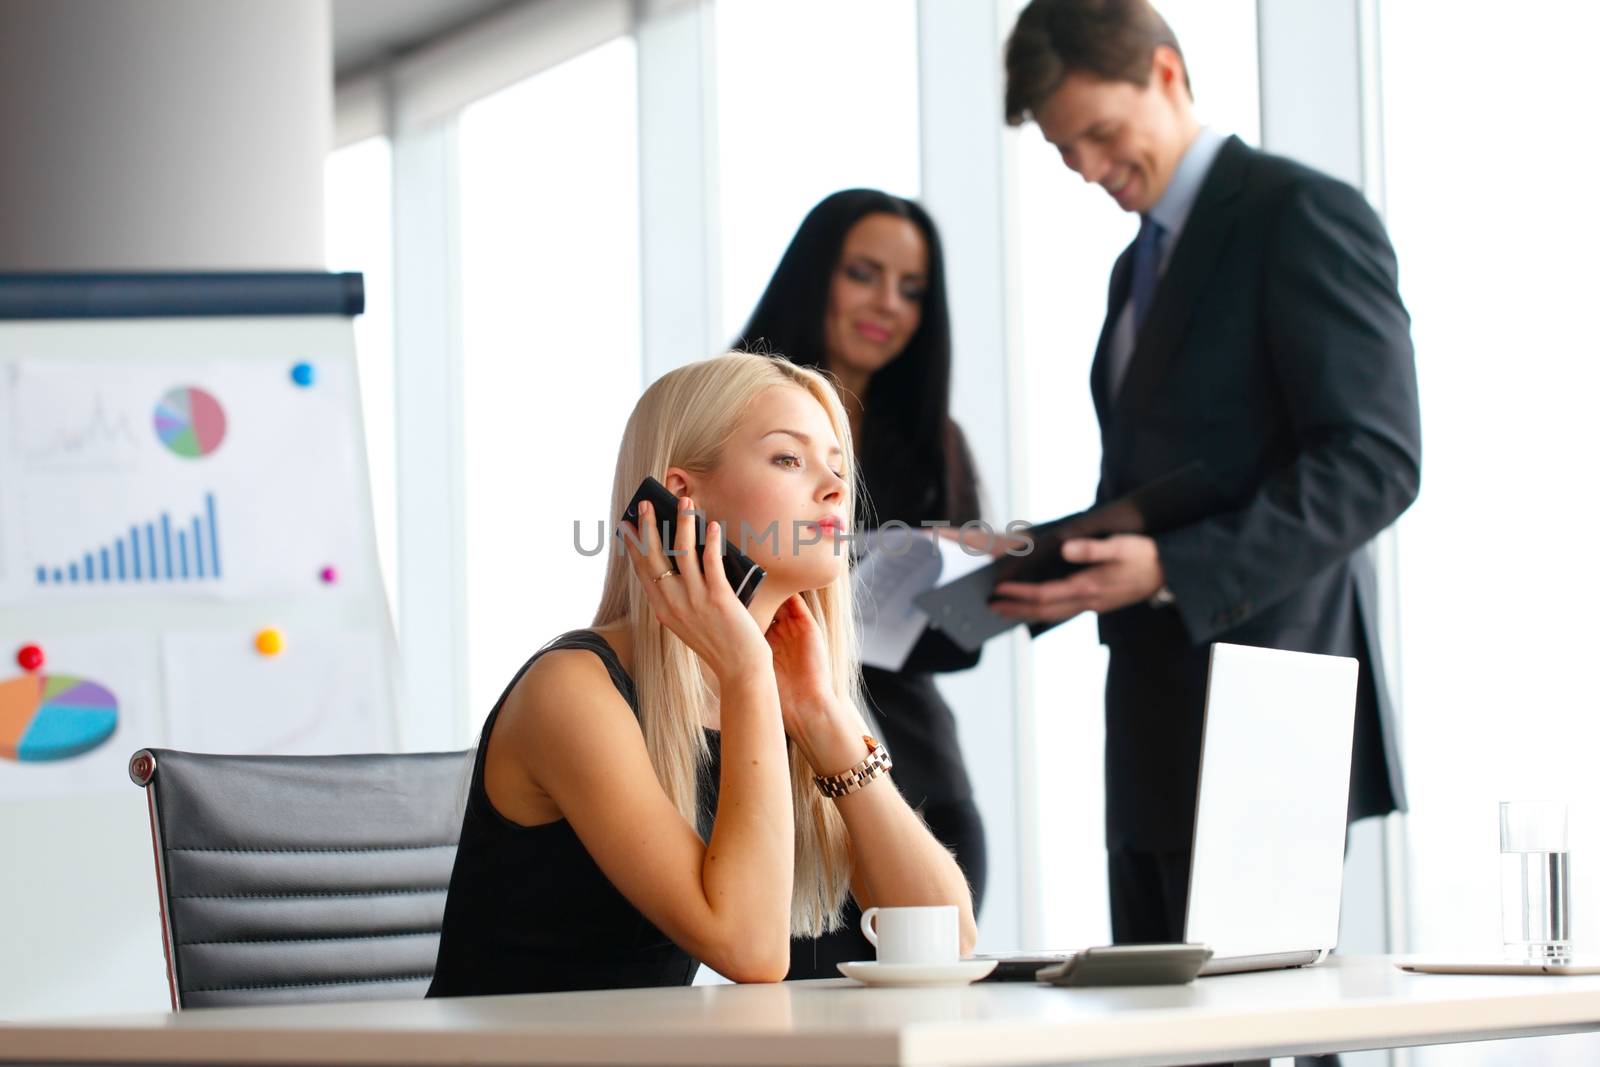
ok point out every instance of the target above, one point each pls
(668, 573)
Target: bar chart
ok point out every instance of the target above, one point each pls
(161, 549)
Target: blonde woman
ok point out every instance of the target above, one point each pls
(646, 793)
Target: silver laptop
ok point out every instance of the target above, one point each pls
(1269, 827)
(1268, 861)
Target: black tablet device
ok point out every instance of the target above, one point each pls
(1129, 965)
(961, 609)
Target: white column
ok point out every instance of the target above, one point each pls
(966, 170)
(680, 286)
(163, 134)
(429, 441)
(1311, 84)
(158, 135)
(1320, 105)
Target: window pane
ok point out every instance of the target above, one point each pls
(1069, 235)
(550, 303)
(811, 98)
(1496, 628)
(360, 238)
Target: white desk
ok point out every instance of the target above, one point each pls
(1351, 1003)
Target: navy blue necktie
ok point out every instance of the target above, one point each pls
(1146, 268)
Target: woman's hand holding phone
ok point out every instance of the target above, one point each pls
(695, 602)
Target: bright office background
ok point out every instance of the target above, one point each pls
(1472, 154)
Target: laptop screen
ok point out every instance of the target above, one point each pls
(1274, 786)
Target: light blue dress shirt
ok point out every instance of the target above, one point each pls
(1172, 212)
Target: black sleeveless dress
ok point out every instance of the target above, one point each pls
(530, 911)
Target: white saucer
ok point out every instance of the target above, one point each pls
(960, 972)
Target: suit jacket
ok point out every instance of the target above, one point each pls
(1277, 350)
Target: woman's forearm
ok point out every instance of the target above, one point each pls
(897, 861)
(748, 871)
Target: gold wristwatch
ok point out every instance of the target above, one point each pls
(846, 782)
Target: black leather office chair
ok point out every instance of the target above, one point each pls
(301, 878)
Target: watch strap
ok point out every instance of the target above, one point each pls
(846, 782)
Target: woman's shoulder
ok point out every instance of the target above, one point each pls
(563, 714)
(964, 504)
(562, 665)
(588, 655)
(569, 691)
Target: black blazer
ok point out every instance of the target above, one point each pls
(1277, 350)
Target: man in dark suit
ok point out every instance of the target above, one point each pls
(1253, 324)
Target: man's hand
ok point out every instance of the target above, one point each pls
(1124, 570)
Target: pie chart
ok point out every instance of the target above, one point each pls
(190, 422)
(46, 717)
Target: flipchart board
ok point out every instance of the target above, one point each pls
(187, 560)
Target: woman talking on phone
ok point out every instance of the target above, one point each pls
(860, 294)
(691, 780)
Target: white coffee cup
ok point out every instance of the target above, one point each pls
(920, 935)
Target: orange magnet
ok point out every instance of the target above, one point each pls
(269, 642)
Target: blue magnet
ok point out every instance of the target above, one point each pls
(303, 374)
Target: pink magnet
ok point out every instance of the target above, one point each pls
(328, 575)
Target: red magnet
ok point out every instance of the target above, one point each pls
(30, 657)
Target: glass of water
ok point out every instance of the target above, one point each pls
(1535, 916)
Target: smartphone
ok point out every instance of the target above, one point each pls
(1111, 965)
(744, 576)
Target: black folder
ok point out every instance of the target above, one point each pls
(961, 609)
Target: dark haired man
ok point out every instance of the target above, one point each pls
(1254, 323)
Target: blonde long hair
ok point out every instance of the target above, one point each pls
(685, 419)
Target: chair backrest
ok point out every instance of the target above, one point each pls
(301, 878)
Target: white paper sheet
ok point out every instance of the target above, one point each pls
(894, 567)
(107, 497)
(123, 664)
(325, 692)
